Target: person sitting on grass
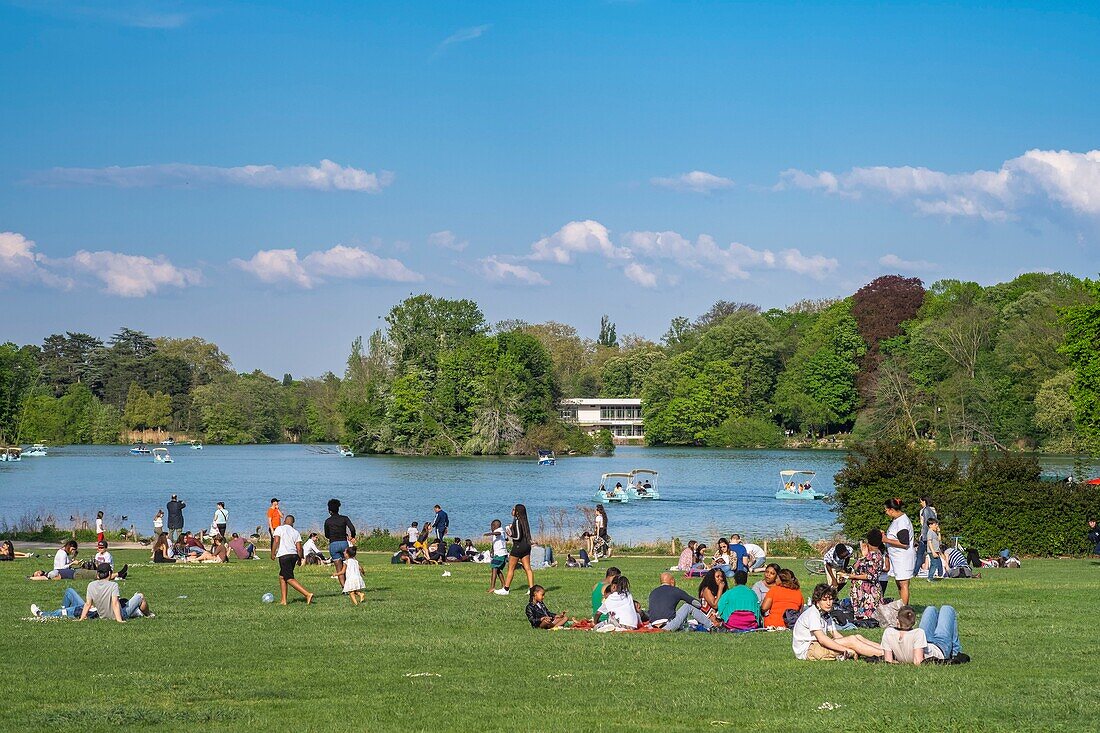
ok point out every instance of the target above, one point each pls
(711, 588)
(216, 553)
(160, 549)
(937, 637)
(785, 595)
(687, 557)
(723, 559)
(311, 553)
(538, 614)
(103, 601)
(740, 553)
(662, 606)
(471, 551)
(243, 549)
(435, 552)
(620, 607)
(455, 552)
(771, 579)
(192, 545)
(66, 556)
(816, 637)
(957, 566)
(402, 556)
(103, 555)
(599, 591)
(739, 607)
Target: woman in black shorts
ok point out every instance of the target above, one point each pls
(520, 534)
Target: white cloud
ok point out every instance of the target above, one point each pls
(576, 237)
(19, 262)
(732, 261)
(816, 266)
(131, 276)
(349, 263)
(495, 269)
(896, 263)
(461, 36)
(326, 176)
(641, 275)
(1039, 180)
(447, 240)
(695, 182)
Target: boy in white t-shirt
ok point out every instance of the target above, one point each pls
(102, 556)
(815, 636)
(412, 533)
(499, 559)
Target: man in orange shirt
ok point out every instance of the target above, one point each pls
(274, 518)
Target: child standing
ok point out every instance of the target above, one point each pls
(934, 549)
(499, 559)
(352, 576)
(99, 527)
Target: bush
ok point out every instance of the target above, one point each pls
(605, 443)
(378, 540)
(788, 544)
(562, 438)
(999, 502)
(745, 432)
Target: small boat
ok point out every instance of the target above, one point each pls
(139, 449)
(346, 452)
(616, 494)
(38, 449)
(168, 441)
(798, 485)
(643, 484)
(546, 457)
(195, 444)
(10, 454)
(161, 455)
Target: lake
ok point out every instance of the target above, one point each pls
(704, 491)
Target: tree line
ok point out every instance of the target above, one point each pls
(956, 365)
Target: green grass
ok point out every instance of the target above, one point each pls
(222, 659)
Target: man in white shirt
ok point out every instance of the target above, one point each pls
(66, 556)
(757, 558)
(815, 636)
(412, 533)
(311, 550)
(286, 545)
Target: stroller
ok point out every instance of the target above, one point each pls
(601, 548)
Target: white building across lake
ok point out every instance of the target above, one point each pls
(622, 416)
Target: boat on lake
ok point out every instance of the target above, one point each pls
(643, 484)
(346, 451)
(798, 485)
(616, 494)
(546, 457)
(195, 444)
(139, 449)
(38, 449)
(11, 454)
(168, 441)
(161, 455)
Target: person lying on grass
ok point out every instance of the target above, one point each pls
(539, 615)
(815, 636)
(103, 602)
(7, 552)
(936, 639)
(75, 574)
(620, 606)
(738, 607)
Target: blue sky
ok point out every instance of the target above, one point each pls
(274, 176)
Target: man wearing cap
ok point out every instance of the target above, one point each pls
(175, 518)
(274, 519)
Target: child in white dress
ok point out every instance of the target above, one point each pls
(352, 575)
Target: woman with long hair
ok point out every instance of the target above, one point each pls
(160, 549)
(711, 589)
(519, 531)
(866, 592)
(900, 547)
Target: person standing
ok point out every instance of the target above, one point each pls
(1094, 537)
(520, 534)
(221, 519)
(158, 523)
(441, 522)
(899, 547)
(927, 514)
(175, 517)
(286, 545)
(339, 531)
(99, 534)
(274, 519)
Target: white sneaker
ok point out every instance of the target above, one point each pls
(501, 591)
(35, 610)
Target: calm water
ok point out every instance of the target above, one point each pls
(704, 491)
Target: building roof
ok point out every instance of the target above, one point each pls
(602, 401)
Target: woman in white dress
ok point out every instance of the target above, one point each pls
(899, 546)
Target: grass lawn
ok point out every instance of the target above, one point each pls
(217, 657)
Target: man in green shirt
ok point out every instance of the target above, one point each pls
(597, 593)
(739, 607)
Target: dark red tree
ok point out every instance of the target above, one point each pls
(880, 307)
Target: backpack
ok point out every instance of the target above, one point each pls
(887, 614)
(790, 617)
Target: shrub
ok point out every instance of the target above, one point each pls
(999, 502)
(745, 432)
